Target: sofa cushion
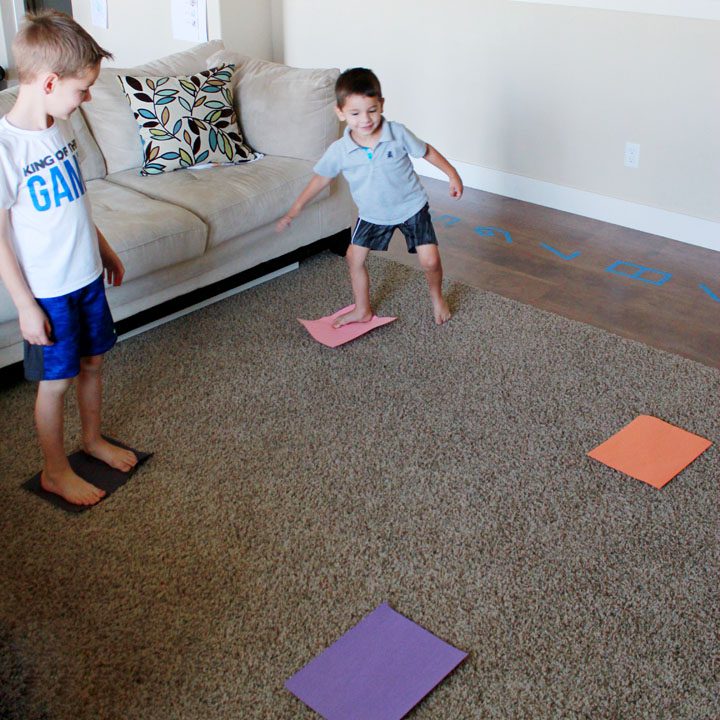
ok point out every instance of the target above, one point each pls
(109, 117)
(231, 200)
(92, 164)
(147, 234)
(7, 307)
(187, 120)
(283, 110)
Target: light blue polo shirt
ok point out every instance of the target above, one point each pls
(383, 182)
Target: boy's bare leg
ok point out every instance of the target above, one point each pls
(356, 256)
(57, 475)
(430, 262)
(89, 393)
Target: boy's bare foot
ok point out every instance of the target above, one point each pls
(113, 455)
(441, 311)
(354, 316)
(71, 487)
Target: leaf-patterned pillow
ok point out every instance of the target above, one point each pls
(186, 121)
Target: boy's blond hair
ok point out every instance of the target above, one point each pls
(51, 41)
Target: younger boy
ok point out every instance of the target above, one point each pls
(51, 255)
(373, 155)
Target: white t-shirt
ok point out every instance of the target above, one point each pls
(51, 225)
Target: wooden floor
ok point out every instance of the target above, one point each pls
(559, 262)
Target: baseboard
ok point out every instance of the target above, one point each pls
(687, 229)
(177, 306)
(209, 301)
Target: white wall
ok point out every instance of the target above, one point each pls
(278, 29)
(246, 26)
(530, 96)
(544, 92)
(706, 9)
(141, 30)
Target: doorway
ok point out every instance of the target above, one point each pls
(37, 5)
(11, 15)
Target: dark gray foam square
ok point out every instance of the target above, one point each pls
(94, 471)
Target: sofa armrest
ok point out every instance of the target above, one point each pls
(283, 110)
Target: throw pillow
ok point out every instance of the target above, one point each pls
(186, 121)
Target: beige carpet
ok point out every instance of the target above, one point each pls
(294, 488)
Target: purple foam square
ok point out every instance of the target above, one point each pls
(378, 670)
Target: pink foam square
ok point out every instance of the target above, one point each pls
(323, 331)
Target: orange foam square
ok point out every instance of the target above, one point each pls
(650, 450)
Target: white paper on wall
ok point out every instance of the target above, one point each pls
(189, 20)
(99, 13)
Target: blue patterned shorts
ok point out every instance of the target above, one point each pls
(81, 326)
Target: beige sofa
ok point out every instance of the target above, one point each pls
(192, 229)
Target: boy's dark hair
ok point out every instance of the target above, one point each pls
(52, 41)
(356, 81)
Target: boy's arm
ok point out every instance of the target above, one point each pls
(440, 162)
(316, 185)
(34, 325)
(114, 269)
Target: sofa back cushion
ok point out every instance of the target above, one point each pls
(283, 110)
(109, 116)
(92, 164)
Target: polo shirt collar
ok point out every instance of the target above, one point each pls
(385, 134)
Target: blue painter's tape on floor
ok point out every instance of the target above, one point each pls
(639, 272)
(562, 255)
(447, 220)
(709, 292)
(648, 275)
(490, 232)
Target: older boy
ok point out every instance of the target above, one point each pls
(373, 155)
(51, 255)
